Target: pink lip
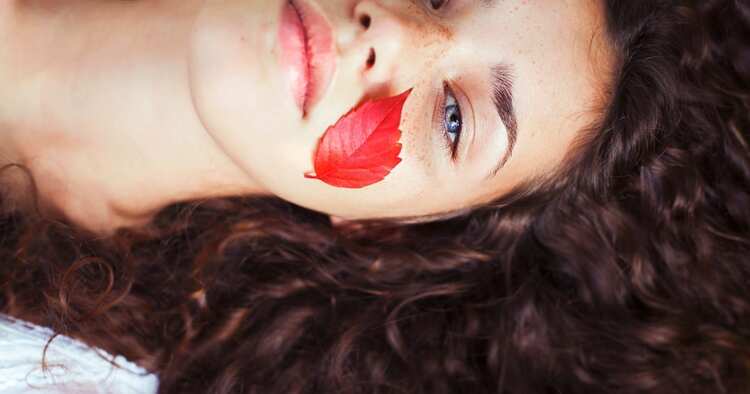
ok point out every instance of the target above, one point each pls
(308, 56)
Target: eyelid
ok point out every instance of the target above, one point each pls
(468, 126)
(437, 128)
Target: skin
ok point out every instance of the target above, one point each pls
(120, 108)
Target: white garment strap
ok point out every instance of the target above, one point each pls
(69, 365)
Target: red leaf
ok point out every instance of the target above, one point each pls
(362, 147)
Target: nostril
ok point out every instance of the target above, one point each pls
(365, 21)
(371, 58)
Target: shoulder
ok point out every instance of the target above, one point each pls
(29, 361)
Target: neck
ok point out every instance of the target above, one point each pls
(100, 110)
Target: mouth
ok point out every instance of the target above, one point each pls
(308, 57)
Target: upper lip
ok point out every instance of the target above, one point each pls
(319, 51)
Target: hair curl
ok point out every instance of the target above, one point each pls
(627, 272)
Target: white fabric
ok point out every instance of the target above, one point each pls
(71, 366)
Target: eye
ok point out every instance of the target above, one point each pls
(437, 4)
(452, 122)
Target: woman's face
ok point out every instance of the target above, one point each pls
(500, 88)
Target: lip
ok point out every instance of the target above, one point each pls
(307, 56)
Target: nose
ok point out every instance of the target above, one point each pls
(387, 42)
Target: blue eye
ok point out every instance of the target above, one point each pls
(452, 121)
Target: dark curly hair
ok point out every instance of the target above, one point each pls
(626, 272)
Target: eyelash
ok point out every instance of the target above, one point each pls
(451, 144)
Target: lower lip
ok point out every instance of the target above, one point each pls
(307, 58)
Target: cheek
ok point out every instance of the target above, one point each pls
(418, 139)
(397, 194)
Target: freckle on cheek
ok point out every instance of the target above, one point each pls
(416, 149)
(416, 141)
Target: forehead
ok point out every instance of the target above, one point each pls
(561, 62)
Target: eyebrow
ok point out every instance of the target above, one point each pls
(502, 97)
